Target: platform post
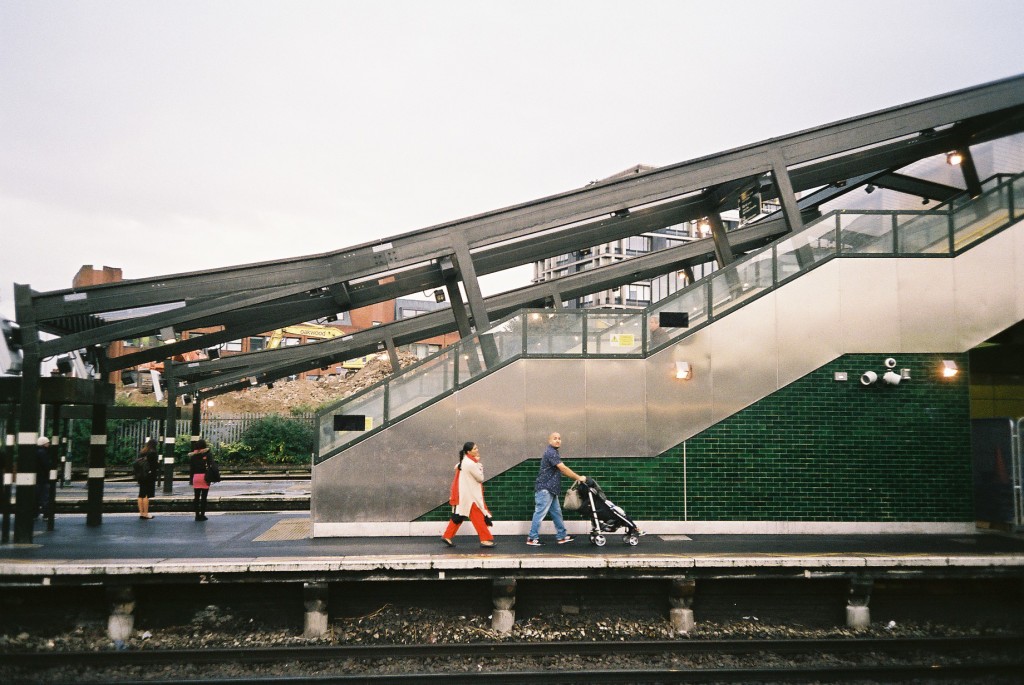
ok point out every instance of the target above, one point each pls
(97, 466)
(171, 429)
(314, 599)
(503, 593)
(121, 622)
(680, 600)
(858, 616)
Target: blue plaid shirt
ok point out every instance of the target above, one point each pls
(549, 478)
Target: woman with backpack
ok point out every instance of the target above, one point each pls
(146, 466)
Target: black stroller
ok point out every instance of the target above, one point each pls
(605, 516)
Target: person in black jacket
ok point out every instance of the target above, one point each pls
(147, 485)
(199, 461)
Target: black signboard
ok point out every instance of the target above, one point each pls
(750, 204)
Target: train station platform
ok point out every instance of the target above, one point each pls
(173, 552)
(244, 545)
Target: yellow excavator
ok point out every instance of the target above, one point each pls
(316, 332)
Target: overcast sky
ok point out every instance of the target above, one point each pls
(165, 137)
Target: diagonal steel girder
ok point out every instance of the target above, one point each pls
(207, 376)
(305, 307)
(532, 231)
(491, 228)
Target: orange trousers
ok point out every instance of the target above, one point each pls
(476, 517)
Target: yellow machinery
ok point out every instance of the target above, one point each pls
(316, 332)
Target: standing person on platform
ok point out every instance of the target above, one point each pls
(199, 462)
(468, 494)
(147, 479)
(42, 475)
(546, 491)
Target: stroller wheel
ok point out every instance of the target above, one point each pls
(631, 540)
(599, 540)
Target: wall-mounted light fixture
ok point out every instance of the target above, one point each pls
(704, 227)
(949, 368)
(439, 295)
(954, 158)
(869, 189)
(684, 371)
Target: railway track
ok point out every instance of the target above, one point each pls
(993, 658)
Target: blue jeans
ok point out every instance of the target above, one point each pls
(545, 502)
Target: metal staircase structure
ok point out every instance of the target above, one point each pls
(892, 282)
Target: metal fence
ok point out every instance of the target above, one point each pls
(131, 435)
(214, 430)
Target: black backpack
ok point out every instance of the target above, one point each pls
(142, 470)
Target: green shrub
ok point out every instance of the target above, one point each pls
(277, 440)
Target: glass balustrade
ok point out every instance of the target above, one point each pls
(866, 233)
(807, 249)
(601, 333)
(369, 403)
(922, 233)
(432, 378)
(615, 334)
(693, 301)
(741, 281)
(558, 333)
(984, 214)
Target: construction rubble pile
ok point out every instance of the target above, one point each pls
(303, 395)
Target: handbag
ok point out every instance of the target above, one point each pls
(212, 472)
(572, 499)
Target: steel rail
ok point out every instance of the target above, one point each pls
(54, 659)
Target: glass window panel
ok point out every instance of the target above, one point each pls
(615, 334)
(370, 404)
(923, 233)
(865, 233)
(421, 384)
(741, 281)
(554, 333)
(802, 251)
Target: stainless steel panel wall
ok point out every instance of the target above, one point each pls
(868, 305)
(678, 409)
(744, 362)
(490, 412)
(982, 295)
(556, 392)
(927, 318)
(413, 458)
(616, 408)
(806, 313)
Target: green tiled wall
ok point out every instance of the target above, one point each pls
(816, 450)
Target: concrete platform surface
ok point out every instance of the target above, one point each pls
(280, 540)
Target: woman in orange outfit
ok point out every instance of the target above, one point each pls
(470, 497)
